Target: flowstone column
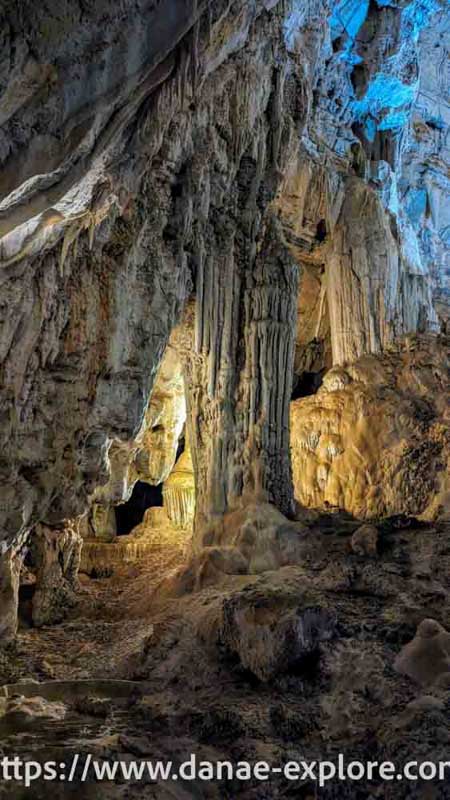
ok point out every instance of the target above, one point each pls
(239, 376)
(10, 566)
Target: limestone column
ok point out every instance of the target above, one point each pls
(239, 376)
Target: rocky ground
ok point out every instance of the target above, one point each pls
(297, 663)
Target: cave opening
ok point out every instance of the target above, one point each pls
(307, 384)
(321, 231)
(131, 513)
(25, 604)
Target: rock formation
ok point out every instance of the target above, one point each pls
(150, 457)
(179, 492)
(10, 567)
(374, 440)
(223, 243)
(129, 212)
(274, 631)
(426, 659)
(55, 558)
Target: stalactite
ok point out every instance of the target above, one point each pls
(276, 115)
(194, 60)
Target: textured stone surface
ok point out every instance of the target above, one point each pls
(255, 191)
(157, 219)
(217, 152)
(374, 439)
(10, 566)
(273, 630)
(365, 541)
(150, 457)
(426, 659)
(179, 492)
(156, 536)
(55, 556)
(182, 691)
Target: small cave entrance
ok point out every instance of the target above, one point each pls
(307, 384)
(25, 607)
(131, 513)
(321, 231)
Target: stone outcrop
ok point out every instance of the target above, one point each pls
(10, 566)
(150, 457)
(374, 439)
(101, 522)
(365, 541)
(274, 630)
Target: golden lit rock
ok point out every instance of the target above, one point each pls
(374, 439)
(163, 424)
(179, 492)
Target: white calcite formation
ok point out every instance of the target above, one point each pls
(278, 164)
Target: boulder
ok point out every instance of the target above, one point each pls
(365, 541)
(274, 627)
(426, 659)
(56, 559)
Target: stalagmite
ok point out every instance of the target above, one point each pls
(179, 492)
(55, 559)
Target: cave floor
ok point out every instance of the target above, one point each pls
(186, 693)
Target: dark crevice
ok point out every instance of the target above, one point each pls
(307, 384)
(321, 231)
(131, 513)
(26, 593)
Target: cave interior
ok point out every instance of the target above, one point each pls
(224, 397)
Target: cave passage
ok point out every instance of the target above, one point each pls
(131, 513)
(307, 384)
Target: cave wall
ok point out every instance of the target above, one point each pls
(219, 152)
(374, 440)
(151, 455)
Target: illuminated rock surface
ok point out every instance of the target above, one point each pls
(150, 457)
(111, 215)
(224, 224)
